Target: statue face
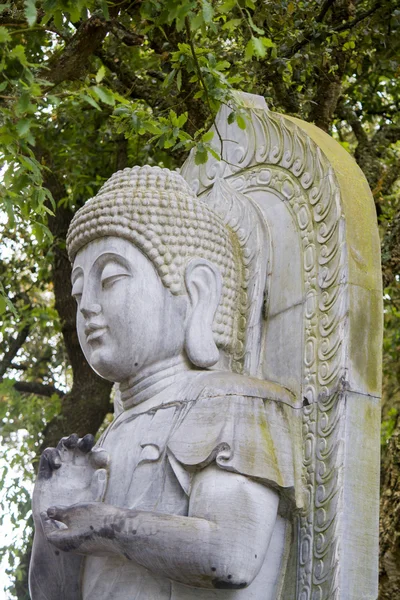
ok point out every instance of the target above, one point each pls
(126, 318)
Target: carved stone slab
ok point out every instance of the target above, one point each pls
(321, 336)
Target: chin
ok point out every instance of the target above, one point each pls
(106, 368)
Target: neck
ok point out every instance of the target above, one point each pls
(151, 380)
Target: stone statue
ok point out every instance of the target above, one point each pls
(223, 310)
(190, 489)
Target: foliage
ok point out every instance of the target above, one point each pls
(91, 86)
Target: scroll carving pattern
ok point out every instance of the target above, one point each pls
(274, 153)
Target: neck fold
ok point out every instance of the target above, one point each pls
(151, 381)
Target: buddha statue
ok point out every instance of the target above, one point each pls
(190, 491)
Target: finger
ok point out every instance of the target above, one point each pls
(99, 458)
(99, 485)
(49, 461)
(61, 443)
(69, 442)
(66, 541)
(86, 443)
(58, 513)
(49, 525)
(72, 441)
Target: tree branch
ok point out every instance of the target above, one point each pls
(324, 9)
(347, 114)
(14, 346)
(390, 176)
(40, 389)
(201, 79)
(388, 134)
(18, 367)
(129, 38)
(361, 17)
(309, 36)
(370, 151)
(141, 89)
(72, 62)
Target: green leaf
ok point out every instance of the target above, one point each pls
(253, 25)
(91, 101)
(231, 117)
(240, 121)
(3, 305)
(104, 8)
(74, 12)
(267, 42)
(197, 22)
(249, 50)
(182, 119)
(23, 126)
(201, 156)
(208, 136)
(179, 80)
(4, 35)
(259, 48)
(29, 164)
(232, 24)
(18, 52)
(38, 232)
(104, 95)
(214, 153)
(153, 128)
(208, 11)
(168, 80)
(100, 74)
(23, 103)
(222, 65)
(227, 6)
(30, 12)
(58, 19)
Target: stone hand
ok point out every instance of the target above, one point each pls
(75, 471)
(85, 528)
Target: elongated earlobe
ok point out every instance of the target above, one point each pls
(203, 284)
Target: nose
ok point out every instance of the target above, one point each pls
(90, 310)
(88, 305)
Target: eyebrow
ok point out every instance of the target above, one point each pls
(113, 256)
(77, 272)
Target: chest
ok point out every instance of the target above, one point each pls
(141, 476)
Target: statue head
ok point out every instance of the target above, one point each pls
(175, 262)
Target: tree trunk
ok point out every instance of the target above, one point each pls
(389, 568)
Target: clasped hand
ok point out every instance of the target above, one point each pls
(67, 498)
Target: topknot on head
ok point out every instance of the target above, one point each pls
(146, 177)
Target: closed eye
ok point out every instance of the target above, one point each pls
(77, 289)
(112, 272)
(107, 282)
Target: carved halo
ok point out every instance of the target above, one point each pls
(285, 159)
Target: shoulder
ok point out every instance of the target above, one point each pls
(241, 425)
(214, 384)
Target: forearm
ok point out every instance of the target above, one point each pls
(190, 550)
(53, 574)
(222, 543)
(186, 549)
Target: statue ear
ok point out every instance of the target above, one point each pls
(204, 285)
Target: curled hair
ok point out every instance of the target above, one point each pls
(156, 210)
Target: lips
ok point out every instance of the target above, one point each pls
(93, 331)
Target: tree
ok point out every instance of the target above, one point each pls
(91, 86)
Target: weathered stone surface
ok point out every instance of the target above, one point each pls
(240, 317)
